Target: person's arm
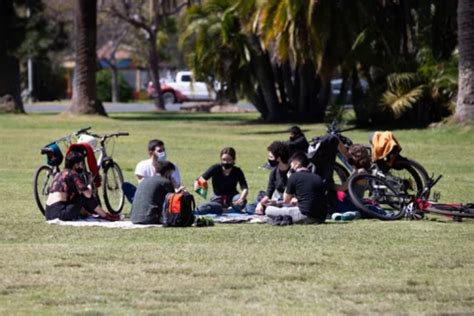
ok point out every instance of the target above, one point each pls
(139, 172)
(206, 175)
(244, 187)
(289, 195)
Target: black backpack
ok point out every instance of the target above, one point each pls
(178, 209)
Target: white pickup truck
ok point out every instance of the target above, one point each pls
(183, 89)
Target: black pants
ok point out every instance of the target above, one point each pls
(70, 211)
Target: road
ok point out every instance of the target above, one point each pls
(117, 107)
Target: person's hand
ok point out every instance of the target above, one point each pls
(260, 209)
(239, 202)
(196, 185)
(294, 201)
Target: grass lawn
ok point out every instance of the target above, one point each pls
(361, 267)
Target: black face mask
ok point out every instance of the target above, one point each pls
(292, 138)
(227, 166)
(79, 170)
(272, 163)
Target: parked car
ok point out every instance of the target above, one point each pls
(183, 89)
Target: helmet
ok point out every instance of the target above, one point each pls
(87, 139)
(73, 157)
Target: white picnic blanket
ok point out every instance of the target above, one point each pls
(94, 221)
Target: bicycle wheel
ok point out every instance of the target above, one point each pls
(455, 210)
(406, 179)
(41, 186)
(112, 188)
(376, 197)
(340, 174)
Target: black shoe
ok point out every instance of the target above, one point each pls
(275, 220)
(286, 220)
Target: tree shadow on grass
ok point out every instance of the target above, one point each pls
(179, 116)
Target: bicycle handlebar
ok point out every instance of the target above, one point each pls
(83, 130)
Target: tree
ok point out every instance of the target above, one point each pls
(11, 34)
(465, 101)
(149, 16)
(84, 99)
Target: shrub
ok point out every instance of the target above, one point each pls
(104, 87)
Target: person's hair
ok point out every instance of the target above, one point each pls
(295, 130)
(228, 151)
(152, 144)
(72, 158)
(301, 158)
(162, 166)
(280, 149)
(360, 156)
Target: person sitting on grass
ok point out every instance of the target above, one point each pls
(145, 169)
(225, 177)
(70, 198)
(297, 141)
(151, 193)
(304, 195)
(278, 155)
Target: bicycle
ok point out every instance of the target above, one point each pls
(421, 205)
(413, 174)
(45, 173)
(111, 177)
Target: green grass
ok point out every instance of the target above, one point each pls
(365, 266)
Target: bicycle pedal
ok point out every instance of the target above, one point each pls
(436, 196)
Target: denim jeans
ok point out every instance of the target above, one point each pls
(220, 204)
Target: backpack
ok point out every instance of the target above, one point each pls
(178, 209)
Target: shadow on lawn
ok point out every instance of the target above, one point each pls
(190, 117)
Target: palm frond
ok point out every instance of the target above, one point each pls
(401, 101)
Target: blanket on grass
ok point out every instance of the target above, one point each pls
(126, 224)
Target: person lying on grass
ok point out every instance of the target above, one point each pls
(70, 198)
(305, 195)
(278, 156)
(148, 202)
(225, 177)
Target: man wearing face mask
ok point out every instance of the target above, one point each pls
(278, 155)
(151, 193)
(225, 177)
(304, 192)
(145, 169)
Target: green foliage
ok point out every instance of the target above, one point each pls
(403, 91)
(104, 87)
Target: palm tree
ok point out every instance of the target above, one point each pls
(84, 99)
(465, 102)
(10, 96)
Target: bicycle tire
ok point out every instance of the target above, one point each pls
(411, 181)
(452, 210)
(114, 197)
(41, 186)
(340, 173)
(382, 201)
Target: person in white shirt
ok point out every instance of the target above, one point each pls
(144, 168)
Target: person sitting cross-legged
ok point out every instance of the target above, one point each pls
(148, 202)
(70, 198)
(304, 195)
(225, 177)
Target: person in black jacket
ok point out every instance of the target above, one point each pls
(278, 156)
(297, 141)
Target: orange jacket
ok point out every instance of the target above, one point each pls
(383, 143)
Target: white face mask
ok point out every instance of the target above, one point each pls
(161, 156)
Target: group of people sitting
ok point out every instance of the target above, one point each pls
(295, 192)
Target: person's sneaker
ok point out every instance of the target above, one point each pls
(286, 220)
(275, 220)
(112, 217)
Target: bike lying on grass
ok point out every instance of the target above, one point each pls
(412, 174)
(382, 198)
(102, 171)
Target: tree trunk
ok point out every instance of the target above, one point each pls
(115, 84)
(465, 101)
(263, 72)
(155, 72)
(84, 100)
(10, 90)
